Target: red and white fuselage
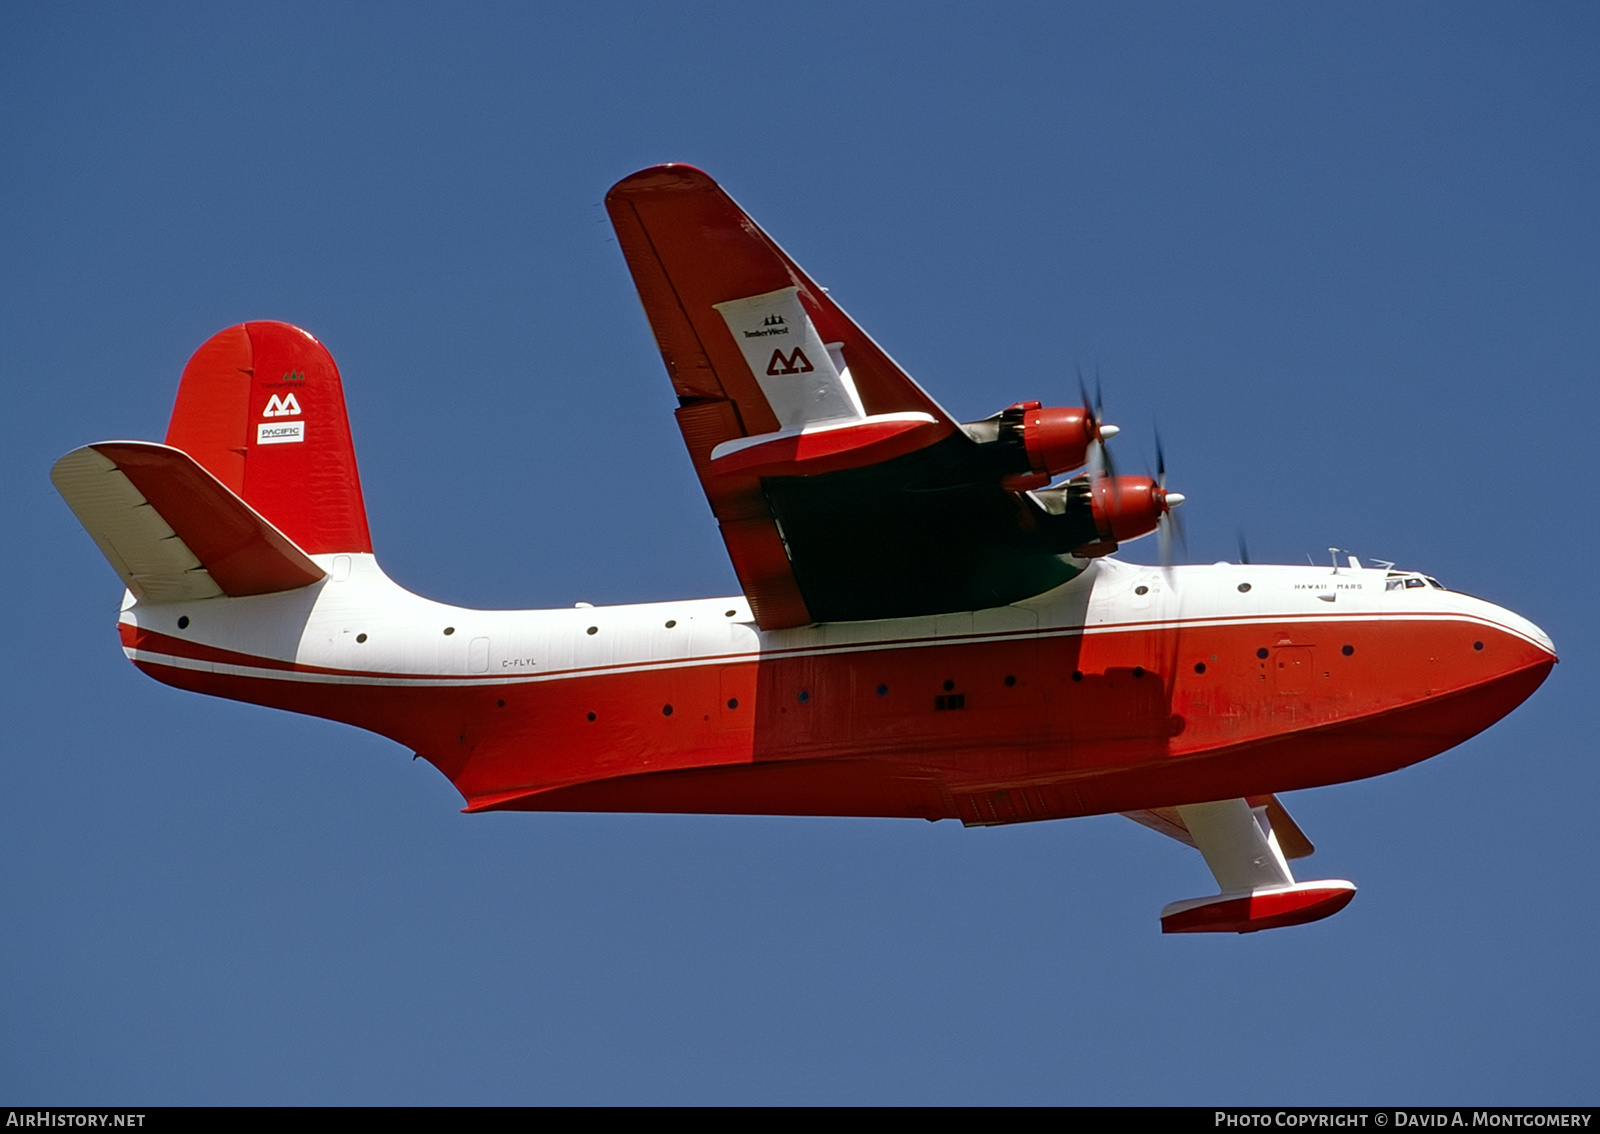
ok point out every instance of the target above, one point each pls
(1127, 688)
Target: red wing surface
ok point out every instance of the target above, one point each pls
(843, 491)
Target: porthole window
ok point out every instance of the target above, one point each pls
(1347, 650)
(1262, 652)
(361, 637)
(1011, 679)
(1199, 667)
(183, 622)
(1138, 671)
(449, 630)
(883, 690)
(1477, 645)
(501, 704)
(671, 622)
(733, 702)
(666, 710)
(730, 613)
(804, 696)
(949, 685)
(591, 716)
(1077, 675)
(592, 630)
(1244, 588)
(1141, 589)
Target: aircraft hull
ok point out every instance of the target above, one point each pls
(985, 726)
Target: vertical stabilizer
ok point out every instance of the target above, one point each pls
(261, 408)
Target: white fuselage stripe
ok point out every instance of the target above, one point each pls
(156, 657)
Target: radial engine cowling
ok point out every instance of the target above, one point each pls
(1124, 508)
(1056, 440)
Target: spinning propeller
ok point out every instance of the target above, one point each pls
(1169, 528)
(1043, 443)
(1099, 456)
(1126, 507)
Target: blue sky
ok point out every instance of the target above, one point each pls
(1347, 258)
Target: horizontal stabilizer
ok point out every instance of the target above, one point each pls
(172, 530)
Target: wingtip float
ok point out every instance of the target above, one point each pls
(930, 625)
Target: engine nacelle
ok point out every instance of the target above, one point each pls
(1055, 439)
(1124, 508)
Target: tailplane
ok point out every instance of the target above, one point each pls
(257, 475)
(171, 530)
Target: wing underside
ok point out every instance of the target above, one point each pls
(843, 491)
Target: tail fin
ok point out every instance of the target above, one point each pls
(261, 408)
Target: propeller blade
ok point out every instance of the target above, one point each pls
(1169, 529)
(1101, 464)
(1170, 533)
(1099, 458)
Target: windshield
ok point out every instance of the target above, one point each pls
(1410, 581)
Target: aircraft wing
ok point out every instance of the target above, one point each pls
(842, 489)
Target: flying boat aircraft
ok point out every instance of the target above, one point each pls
(931, 626)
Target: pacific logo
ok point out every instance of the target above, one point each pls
(280, 433)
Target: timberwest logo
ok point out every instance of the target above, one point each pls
(772, 321)
(795, 363)
(284, 406)
(293, 376)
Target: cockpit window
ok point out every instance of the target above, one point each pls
(1402, 581)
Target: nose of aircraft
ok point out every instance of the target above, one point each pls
(1523, 655)
(1506, 659)
(1519, 626)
